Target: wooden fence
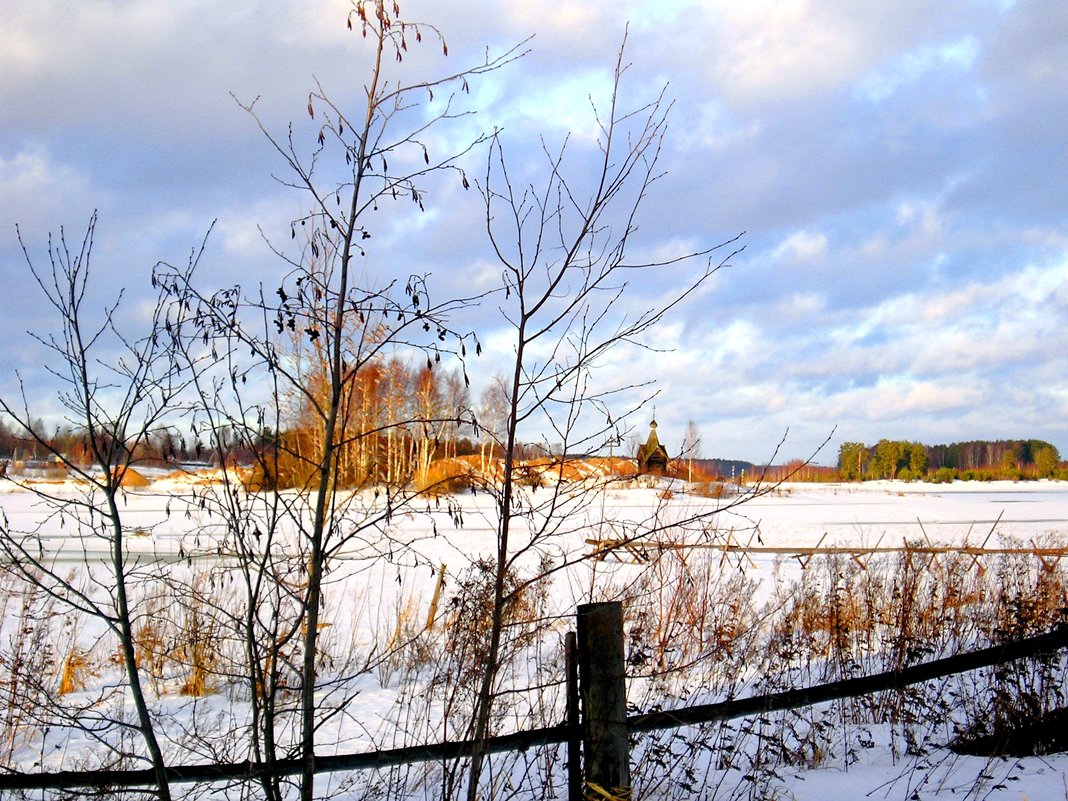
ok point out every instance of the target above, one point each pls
(598, 727)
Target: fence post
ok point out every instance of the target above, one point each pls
(574, 720)
(602, 685)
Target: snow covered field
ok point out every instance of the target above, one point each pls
(381, 589)
(167, 522)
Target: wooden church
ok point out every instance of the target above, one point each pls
(652, 456)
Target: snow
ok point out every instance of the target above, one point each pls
(388, 575)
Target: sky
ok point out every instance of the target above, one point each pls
(898, 173)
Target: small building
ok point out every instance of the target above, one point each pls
(652, 456)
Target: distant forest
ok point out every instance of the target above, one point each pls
(396, 420)
(977, 460)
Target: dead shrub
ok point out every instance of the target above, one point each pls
(403, 652)
(278, 472)
(27, 662)
(470, 618)
(685, 610)
(199, 638)
(531, 474)
(1018, 736)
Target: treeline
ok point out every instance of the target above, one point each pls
(977, 460)
(395, 421)
(38, 444)
(794, 470)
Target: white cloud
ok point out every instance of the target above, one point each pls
(39, 193)
(764, 51)
(239, 229)
(484, 275)
(767, 40)
(18, 54)
(714, 129)
(902, 397)
(566, 18)
(568, 105)
(802, 305)
(924, 219)
(31, 170)
(802, 246)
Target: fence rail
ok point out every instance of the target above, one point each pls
(1042, 644)
(854, 687)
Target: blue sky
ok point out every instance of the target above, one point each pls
(900, 170)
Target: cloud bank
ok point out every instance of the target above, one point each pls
(899, 170)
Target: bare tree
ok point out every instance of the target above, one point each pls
(564, 249)
(362, 159)
(493, 416)
(118, 393)
(459, 411)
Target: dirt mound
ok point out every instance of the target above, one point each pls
(130, 478)
(535, 472)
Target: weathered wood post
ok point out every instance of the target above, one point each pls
(602, 685)
(574, 720)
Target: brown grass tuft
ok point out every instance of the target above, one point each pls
(75, 671)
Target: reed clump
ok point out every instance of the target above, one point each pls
(840, 618)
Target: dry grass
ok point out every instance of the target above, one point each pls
(76, 669)
(28, 666)
(178, 636)
(402, 653)
(713, 489)
(153, 637)
(697, 637)
(199, 638)
(683, 612)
